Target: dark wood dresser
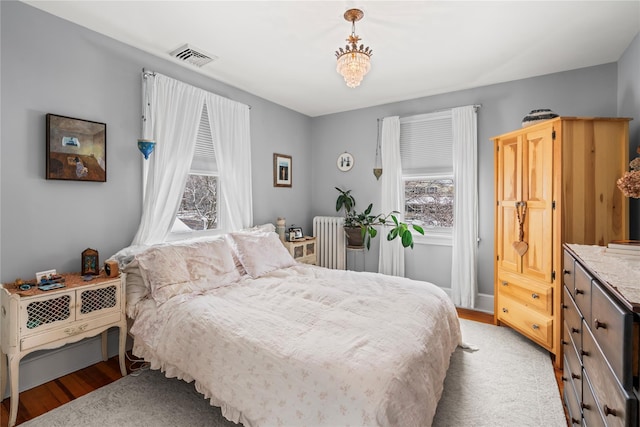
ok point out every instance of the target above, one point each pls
(601, 330)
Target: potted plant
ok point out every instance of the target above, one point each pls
(360, 226)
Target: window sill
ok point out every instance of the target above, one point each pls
(433, 239)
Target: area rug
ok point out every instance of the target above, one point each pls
(508, 381)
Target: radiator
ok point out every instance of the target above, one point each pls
(330, 241)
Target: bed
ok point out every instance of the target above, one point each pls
(273, 342)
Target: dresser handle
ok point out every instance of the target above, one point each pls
(505, 283)
(575, 330)
(575, 376)
(504, 310)
(534, 326)
(535, 296)
(564, 306)
(608, 411)
(599, 324)
(563, 378)
(579, 292)
(584, 353)
(4, 313)
(574, 421)
(565, 271)
(585, 406)
(563, 342)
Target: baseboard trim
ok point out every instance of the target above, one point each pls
(484, 302)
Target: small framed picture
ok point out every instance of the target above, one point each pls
(295, 233)
(345, 162)
(76, 149)
(282, 169)
(90, 262)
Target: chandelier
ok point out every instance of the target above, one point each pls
(353, 61)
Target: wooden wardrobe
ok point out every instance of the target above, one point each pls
(555, 182)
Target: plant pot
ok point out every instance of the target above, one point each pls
(354, 237)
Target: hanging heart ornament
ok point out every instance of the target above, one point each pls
(521, 246)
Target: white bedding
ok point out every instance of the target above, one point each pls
(307, 346)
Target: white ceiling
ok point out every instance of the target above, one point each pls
(283, 51)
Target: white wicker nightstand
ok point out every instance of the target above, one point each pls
(37, 320)
(303, 250)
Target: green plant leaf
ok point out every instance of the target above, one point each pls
(407, 239)
(419, 229)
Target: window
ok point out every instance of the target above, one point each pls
(198, 211)
(426, 152)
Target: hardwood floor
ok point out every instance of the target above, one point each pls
(48, 396)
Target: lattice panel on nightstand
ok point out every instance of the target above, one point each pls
(98, 299)
(48, 311)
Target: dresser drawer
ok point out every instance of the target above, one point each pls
(535, 325)
(610, 324)
(531, 295)
(572, 319)
(571, 400)
(573, 370)
(590, 411)
(617, 406)
(568, 267)
(582, 291)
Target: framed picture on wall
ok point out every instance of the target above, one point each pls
(282, 170)
(76, 149)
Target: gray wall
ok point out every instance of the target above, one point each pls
(65, 69)
(583, 92)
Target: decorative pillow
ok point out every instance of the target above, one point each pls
(185, 268)
(261, 252)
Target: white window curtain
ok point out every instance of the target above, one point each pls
(172, 121)
(391, 258)
(465, 230)
(230, 125)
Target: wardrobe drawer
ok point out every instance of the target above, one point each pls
(568, 274)
(610, 324)
(531, 295)
(590, 411)
(616, 405)
(571, 401)
(572, 319)
(582, 290)
(535, 325)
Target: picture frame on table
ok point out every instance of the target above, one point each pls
(295, 233)
(76, 149)
(282, 170)
(90, 262)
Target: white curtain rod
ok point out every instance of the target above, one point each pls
(146, 73)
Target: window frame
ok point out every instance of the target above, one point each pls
(204, 130)
(439, 236)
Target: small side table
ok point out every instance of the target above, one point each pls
(38, 320)
(303, 250)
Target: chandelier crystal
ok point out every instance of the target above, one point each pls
(353, 61)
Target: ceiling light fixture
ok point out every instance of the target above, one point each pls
(353, 61)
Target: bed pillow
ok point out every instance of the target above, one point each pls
(185, 268)
(261, 252)
(135, 288)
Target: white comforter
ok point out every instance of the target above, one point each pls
(307, 346)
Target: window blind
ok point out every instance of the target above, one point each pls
(426, 143)
(204, 157)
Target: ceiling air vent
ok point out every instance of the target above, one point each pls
(193, 55)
